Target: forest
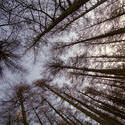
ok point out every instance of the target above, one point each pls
(62, 62)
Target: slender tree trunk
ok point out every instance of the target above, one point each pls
(97, 76)
(77, 120)
(88, 10)
(120, 72)
(114, 99)
(9, 119)
(106, 56)
(88, 113)
(58, 112)
(21, 100)
(48, 118)
(37, 116)
(107, 107)
(72, 122)
(75, 6)
(109, 34)
(108, 120)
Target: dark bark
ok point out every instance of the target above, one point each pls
(97, 76)
(114, 99)
(90, 9)
(21, 100)
(86, 112)
(40, 121)
(77, 120)
(49, 120)
(108, 120)
(109, 34)
(75, 6)
(106, 20)
(120, 72)
(57, 112)
(107, 107)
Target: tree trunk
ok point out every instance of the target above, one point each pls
(37, 116)
(21, 100)
(88, 113)
(75, 6)
(58, 112)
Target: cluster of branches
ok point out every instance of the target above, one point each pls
(33, 104)
(99, 61)
(29, 21)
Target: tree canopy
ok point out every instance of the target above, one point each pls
(79, 45)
